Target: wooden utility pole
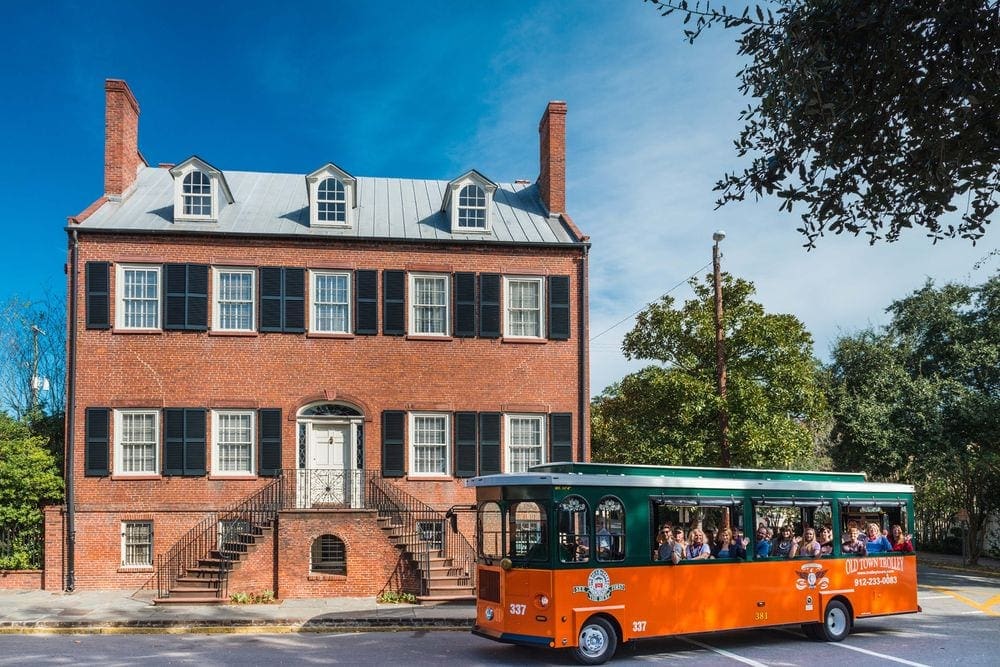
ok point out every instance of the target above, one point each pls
(720, 354)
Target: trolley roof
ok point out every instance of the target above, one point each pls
(666, 478)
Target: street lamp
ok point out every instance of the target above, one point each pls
(720, 354)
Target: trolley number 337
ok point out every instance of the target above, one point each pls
(638, 626)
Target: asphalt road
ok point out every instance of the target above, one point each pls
(959, 625)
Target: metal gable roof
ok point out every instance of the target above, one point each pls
(277, 204)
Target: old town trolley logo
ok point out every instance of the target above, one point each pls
(599, 587)
(812, 575)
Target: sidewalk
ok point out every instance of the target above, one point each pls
(118, 612)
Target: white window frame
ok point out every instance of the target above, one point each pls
(412, 445)
(217, 272)
(350, 184)
(180, 198)
(413, 305)
(342, 201)
(125, 564)
(217, 470)
(507, 305)
(453, 199)
(207, 178)
(120, 452)
(459, 208)
(120, 270)
(314, 276)
(509, 445)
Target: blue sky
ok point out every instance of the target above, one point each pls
(429, 90)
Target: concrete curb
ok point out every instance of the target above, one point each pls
(241, 626)
(954, 567)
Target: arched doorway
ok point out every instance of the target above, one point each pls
(330, 456)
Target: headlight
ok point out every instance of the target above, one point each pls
(542, 600)
(489, 613)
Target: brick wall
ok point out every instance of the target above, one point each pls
(21, 580)
(55, 548)
(371, 558)
(256, 573)
(273, 370)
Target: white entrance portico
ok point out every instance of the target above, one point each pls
(330, 456)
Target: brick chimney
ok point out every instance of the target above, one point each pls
(122, 159)
(552, 157)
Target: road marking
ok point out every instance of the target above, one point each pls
(933, 597)
(879, 655)
(984, 608)
(727, 654)
(974, 611)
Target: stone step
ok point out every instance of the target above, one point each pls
(445, 598)
(189, 600)
(198, 582)
(188, 593)
(448, 589)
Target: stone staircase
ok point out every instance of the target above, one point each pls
(441, 578)
(205, 582)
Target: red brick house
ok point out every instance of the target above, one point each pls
(280, 381)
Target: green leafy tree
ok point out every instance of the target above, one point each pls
(919, 401)
(874, 117)
(29, 479)
(667, 413)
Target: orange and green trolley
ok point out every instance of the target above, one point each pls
(568, 554)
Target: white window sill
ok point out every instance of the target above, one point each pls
(136, 331)
(524, 339)
(430, 337)
(233, 476)
(343, 335)
(232, 332)
(136, 477)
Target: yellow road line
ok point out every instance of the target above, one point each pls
(985, 607)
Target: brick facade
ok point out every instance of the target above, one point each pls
(121, 369)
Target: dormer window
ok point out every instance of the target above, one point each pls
(467, 202)
(197, 192)
(332, 197)
(472, 207)
(331, 202)
(200, 191)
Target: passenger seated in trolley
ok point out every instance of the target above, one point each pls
(810, 546)
(853, 545)
(697, 549)
(786, 546)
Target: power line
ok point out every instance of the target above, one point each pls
(628, 317)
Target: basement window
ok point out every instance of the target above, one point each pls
(329, 556)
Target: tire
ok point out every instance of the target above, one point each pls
(598, 641)
(836, 622)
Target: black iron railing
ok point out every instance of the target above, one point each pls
(423, 532)
(21, 547)
(219, 539)
(322, 488)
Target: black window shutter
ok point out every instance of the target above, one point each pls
(269, 431)
(173, 441)
(175, 300)
(561, 436)
(465, 305)
(489, 443)
(96, 277)
(393, 461)
(184, 442)
(197, 297)
(558, 307)
(270, 298)
(465, 444)
(96, 454)
(294, 300)
(393, 303)
(489, 305)
(366, 302)
(194, 442)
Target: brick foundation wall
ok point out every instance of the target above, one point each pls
(256, 573)
(21, 580)
(371, 558)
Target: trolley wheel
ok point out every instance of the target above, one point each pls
(598, 641)
(836, 622)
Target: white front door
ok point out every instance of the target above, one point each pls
(329, 464)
